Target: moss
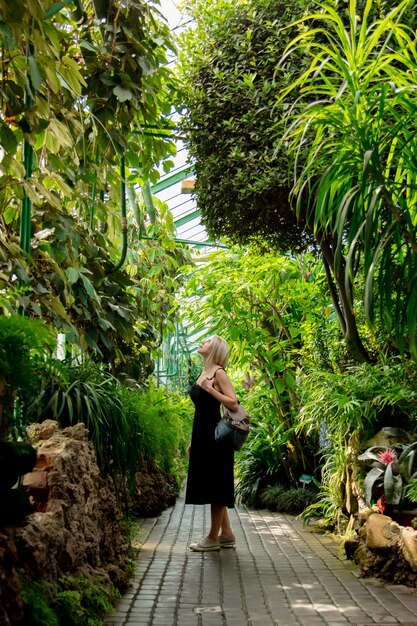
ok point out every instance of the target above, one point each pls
(73, 601)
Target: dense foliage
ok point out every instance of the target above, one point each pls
(264, 307)
(74, 601)
(329, 92)
(81, 84)
(127, 425)
(357, 179)
(230, 83)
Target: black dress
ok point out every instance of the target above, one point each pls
(210, 470)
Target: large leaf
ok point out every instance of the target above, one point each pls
(393, 485)
(373, 479)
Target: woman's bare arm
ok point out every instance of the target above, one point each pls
(221, 388)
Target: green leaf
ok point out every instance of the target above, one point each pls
(8, 139)
(393, 484)
(373, 478)
(34, 73)
(122, 93)
(7, 35)
(73, 274)
(88, 286)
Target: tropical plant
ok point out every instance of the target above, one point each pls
(259, 305)
(355, 174)
(125, 425)
(363, 398)
(392, 470)
(20, 340)
(81, 85)
(292, 501)
(246, 118)
(410, 490)
(228, 69)
(329, 506)
(114, 316)
(83, 124)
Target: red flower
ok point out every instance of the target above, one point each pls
(387, 456)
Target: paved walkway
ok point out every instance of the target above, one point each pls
(279, 574)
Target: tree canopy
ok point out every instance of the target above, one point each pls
(286, 120)
(84, 96)
(230, 84)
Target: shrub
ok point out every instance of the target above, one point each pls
(292, 501)
(37, 598)
(163, 418)
(83, 601)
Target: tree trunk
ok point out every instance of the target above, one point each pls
(342, 304)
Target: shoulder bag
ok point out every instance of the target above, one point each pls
(233, 428)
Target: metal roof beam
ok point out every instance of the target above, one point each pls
(171, 180)
(187, 218)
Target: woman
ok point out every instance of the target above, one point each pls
(210, 472)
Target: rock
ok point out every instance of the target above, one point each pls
(364, 514)
(351, 545)
(11, 604)
(78, 432)
(154, 493)
(385, 549)
(381, 532)
(409, 546)
(41, 543)
(385, 440)
(66, 485)
(76, 528)
(45, 430)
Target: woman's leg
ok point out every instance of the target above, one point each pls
(225, 527)
(217, 514)
(220, 522)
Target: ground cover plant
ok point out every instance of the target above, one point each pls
(73, 601)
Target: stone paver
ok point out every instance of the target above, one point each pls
(280, 574)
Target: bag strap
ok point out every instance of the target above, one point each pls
(219, 368)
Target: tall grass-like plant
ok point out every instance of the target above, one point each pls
(163, 419)
(21, 340)
(125, 424)
(88, 394)
(330, 500)
(355, 143)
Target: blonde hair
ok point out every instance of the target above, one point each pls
(219, 352)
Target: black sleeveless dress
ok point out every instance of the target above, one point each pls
(210, 470)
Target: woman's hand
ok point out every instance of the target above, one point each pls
(207, 384)
(188, 449)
